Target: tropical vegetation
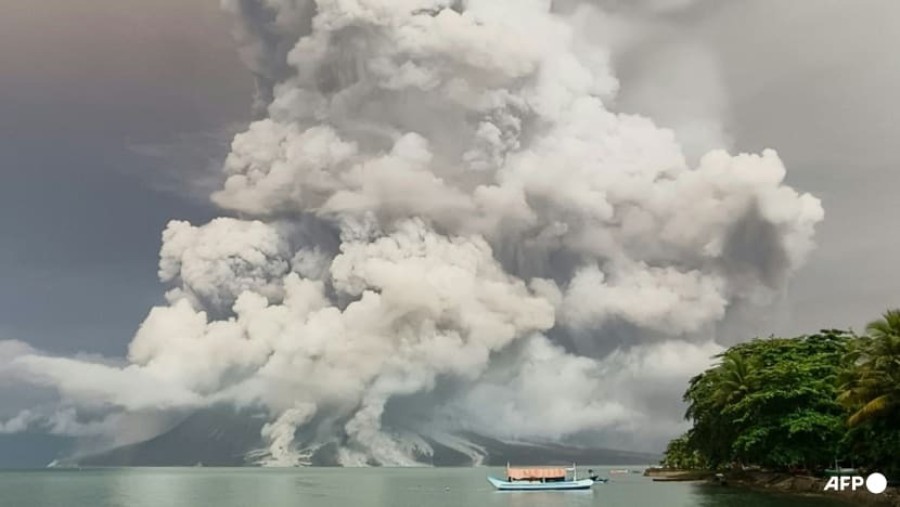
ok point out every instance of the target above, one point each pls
(799, 403)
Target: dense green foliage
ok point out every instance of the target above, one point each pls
(798, 403)
(870, 391)
(679, 454)
(771, 402)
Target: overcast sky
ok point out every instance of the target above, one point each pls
(112, 112)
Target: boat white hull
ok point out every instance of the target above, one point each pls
(540, 486)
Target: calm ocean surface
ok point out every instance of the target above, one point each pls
(333, 487)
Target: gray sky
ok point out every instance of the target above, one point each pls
(110, 110)
(84, 85)
(817, 80)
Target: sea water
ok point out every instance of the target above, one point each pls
(359, 487)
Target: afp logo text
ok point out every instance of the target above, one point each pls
(876, 483)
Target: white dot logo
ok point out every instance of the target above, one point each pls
(876, 483)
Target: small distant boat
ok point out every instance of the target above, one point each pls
(838, 470)
(543, 479)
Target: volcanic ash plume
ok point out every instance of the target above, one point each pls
(445, 228)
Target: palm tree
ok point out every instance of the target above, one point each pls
(873, 387)
(733, 378)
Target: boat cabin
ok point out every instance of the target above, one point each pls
(539, 474)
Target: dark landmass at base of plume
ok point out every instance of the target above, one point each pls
(499, 453)
(218, 437)
(221, 437)
(32, 450)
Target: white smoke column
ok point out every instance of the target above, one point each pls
(280, 434)
(443, 227)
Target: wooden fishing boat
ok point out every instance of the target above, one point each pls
(542, 479)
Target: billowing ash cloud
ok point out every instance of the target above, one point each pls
(445, 227)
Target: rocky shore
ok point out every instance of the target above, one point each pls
(778, 483)
(671, 475)
(808, 485)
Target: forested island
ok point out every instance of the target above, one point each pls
(798, 405)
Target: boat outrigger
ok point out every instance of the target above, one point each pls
(542, 479)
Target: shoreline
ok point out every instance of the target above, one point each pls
(779, 483)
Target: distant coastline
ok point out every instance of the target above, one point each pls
(221, 437)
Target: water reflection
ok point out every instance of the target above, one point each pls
(543, 498)
(378, 487)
